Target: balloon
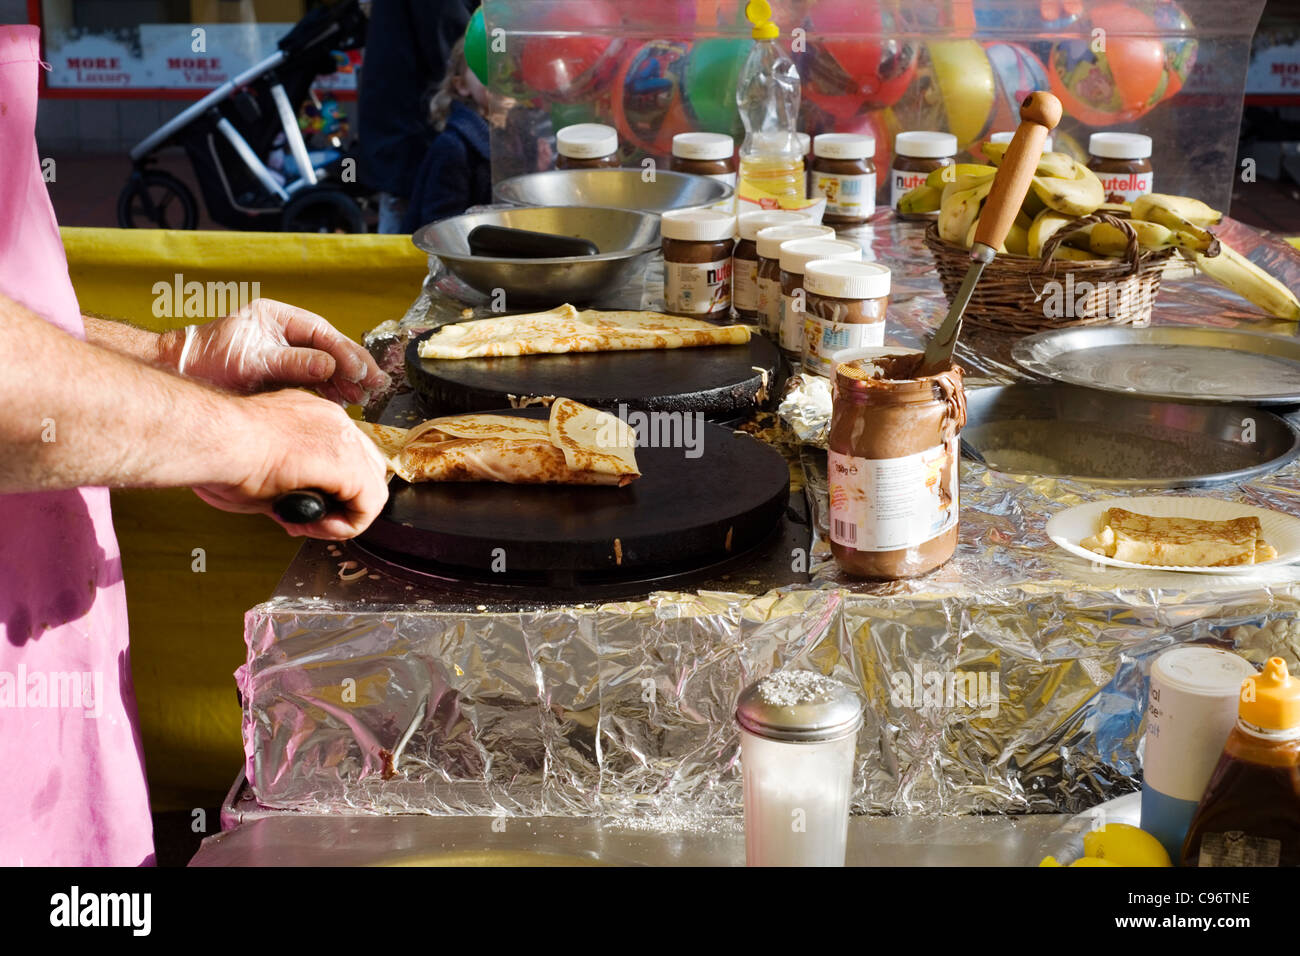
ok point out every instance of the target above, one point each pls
(1176, 29)
(1016, 74)
(842, 72)
(476, 46)
(709, 79)
(1116, 75)
(567, 67)
(964, 85)
(649, 107)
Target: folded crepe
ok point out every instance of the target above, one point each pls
(1179, 542)
(576, 445)
(565, 329)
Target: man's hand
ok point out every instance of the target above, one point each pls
(269, 344)
(292, 440)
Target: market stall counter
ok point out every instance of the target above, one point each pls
(1011, 680)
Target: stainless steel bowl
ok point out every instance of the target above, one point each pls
(624, 238)
(614, 189)
(1062, 431)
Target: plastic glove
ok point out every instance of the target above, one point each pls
(269, 344)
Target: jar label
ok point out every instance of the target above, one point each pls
(848, 196)
(886, 504)
(744, 284)
(1236, 848)
(792, 316)
(697, 288)
(769, 306)
(1125, 187)
(822, 338)
(902, 181)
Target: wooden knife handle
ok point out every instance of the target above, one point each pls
(1039, 113)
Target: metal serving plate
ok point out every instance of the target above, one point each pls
(1060, 431)
(624, 237)
(613, 188)
(1177, 364)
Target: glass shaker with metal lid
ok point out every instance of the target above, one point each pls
(798, 736)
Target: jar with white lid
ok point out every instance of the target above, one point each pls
(794, 258)
(917, 153)
(844, 173)
(744, 260)
(586, 146)
(697, 246)
(767, 244)
(1122, 161)
(844, 308)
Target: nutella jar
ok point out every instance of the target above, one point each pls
(794, 259)
(697, 247)
(767, 244)
(586, 146)
(917, 154)
(844, 173)
(892, 465)
(705, 154)
(744, 260)
(1122, 161)
(844, 308)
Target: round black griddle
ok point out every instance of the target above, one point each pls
(722, 381)
(681, 513)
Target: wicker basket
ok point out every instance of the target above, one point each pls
(1019, 294)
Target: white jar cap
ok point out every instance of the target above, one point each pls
(925, 144)
(769, 239)
(1006, 138)
(795, 256)
(846, 279)
(752, 222)
(1119, 145)
(805, 143)
(844, 145)
(697, 225)
(703, 146)
(587, 141)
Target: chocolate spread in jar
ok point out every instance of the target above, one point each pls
(1122, 161)
(586, 146)
(893, 466)
(917, 153)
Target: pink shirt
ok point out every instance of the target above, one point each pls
(72, 786)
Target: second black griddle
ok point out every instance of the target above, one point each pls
(724, 382)
(683, 512)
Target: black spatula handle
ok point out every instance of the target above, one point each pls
(303, 507)
(507, 243)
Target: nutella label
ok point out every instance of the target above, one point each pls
(848, 196)
(1125, 187)
(902, 181)
(697, 287)
(892, 503)
(792, 317)
(823, 338)
(744, 284)
(769, 306)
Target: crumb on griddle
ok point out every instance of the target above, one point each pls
(618, 551)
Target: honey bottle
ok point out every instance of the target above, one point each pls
(1250, 813)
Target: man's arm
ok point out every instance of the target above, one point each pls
(126, 339)
(83, 415)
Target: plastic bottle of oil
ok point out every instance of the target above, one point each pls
(767, 96)
(1250, 813)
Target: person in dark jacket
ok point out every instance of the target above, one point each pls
(408, 45)
(457, 169)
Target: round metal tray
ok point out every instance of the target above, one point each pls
(1122, 441)
(1170, 363)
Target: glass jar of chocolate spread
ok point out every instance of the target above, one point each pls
(794, 258)
(744, 261)
(1122, 161)
(844, 172)
(917, 153)
(705, 154)
(844, 308)
(697, 247)
(586, 146)
(767, 244)
(893, 460)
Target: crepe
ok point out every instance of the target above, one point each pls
(565, 329)
(1179, 542)
(576, 445)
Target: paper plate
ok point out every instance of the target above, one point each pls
(1071, 526)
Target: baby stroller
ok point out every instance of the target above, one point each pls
(230, 134)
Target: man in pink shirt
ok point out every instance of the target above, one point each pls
(85, 405)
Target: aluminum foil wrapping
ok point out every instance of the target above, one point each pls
(1012, 679)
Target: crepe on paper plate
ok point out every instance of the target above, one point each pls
(1175, 529)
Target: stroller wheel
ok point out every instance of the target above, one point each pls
(152, 199)
(322, 210)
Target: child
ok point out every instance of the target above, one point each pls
(457, 171)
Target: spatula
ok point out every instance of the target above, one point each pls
(1039, 113)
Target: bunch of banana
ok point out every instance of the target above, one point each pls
(1060, 182)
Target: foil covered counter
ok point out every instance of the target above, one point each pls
(1010, 680)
